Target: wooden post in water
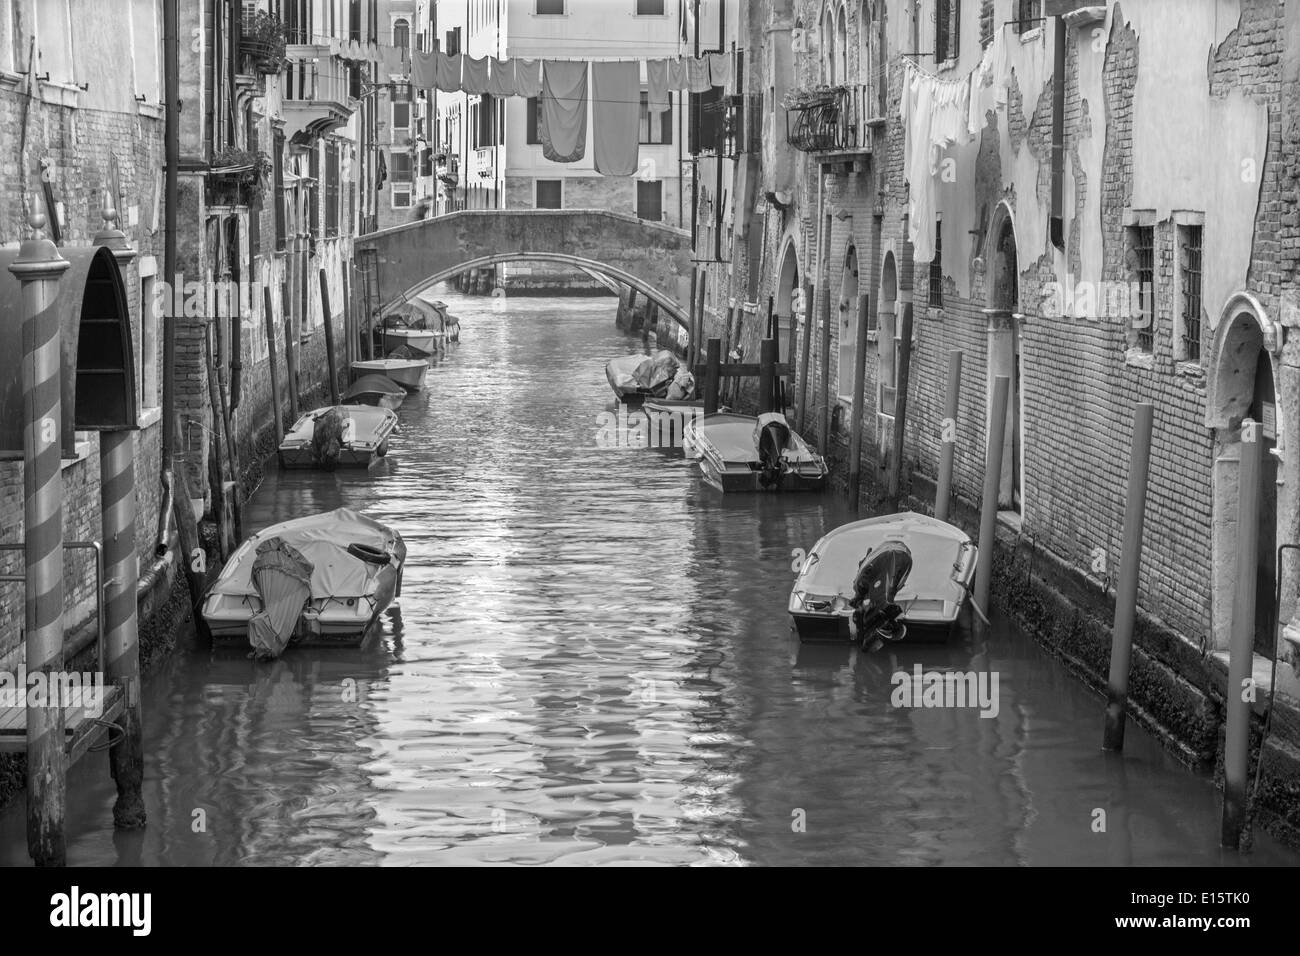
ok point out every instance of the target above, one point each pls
(692, 344)
(997, 432)
(349, 333)
(331, 361)
(767, 375)
(712, 375)
(808, 298)
(1130, 562)
(824, 431)
(277, 413)
(948, 436)
(39, 267)
(1236, 742)
(900, 405)
(859, 400)
(290, 350)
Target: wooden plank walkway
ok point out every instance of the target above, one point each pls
(81, 730)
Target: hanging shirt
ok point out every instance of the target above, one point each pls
(656, 76)
(448, 72)
(474, 74)
(501, 77)
(697, 74)
(393, 59)
(616, 116)
(564, 110)
(528, 77)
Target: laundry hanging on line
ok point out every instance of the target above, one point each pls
(616, 117)
(564, 110)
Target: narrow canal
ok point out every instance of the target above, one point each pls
(591, 663)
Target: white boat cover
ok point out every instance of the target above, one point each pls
(732, 436)
(323, 541)
(935, 547)
(683, 386)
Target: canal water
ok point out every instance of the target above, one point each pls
(591, 663)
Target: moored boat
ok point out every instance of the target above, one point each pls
(408, 373)
(748, 453)
(884, 578)
(320, 579)
(379, 390)
(634, 378)
(421, 341)
(338, 436)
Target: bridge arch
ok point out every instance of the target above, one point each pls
(652, 257)
(667, 303)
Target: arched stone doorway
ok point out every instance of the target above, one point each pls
(1003, 311)
(848, 313)
(1242, 384)
(787, 286)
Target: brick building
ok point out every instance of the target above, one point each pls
(1112, 221)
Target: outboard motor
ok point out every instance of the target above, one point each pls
(773, 436)
(875, 610)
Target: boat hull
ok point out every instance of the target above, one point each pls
(730, 459)
(407, 373)
(419, 340)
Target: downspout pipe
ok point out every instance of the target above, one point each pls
(172, 152)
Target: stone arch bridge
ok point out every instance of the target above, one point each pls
(651, 257)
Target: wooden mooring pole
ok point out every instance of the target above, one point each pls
(824, 429)
(808, 296)
(39, 267)
(1130, 562)
(948, 436)
(712, 375)
(900, 406)
(767, 375)
(859, 400)
(277, 413)
(997, 431)
(1236, 742)
(290, 349)
(331, 360)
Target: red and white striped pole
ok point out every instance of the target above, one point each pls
(121, 643)
(39, 268)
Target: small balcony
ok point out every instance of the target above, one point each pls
(262, 42)
(833, 121)
(316, 97)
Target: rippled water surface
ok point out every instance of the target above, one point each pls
(591, 663)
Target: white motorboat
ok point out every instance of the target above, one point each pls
(903, 569)
(753, 453)
(338, 436)
(408, 373)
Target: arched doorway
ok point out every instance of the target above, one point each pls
(1241, 386)
(1004, 350)
(887, 353)
(787, 286)
(848, 311)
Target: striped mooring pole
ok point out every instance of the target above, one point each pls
(121, 572)
(39, 266)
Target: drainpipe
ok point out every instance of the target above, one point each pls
(1058, 138)
(172, 150)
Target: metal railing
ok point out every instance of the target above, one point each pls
(834, 121)
(99, 587)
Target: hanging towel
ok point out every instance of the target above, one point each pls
(564, 110)
(678, 75)
(919, 172)
(719, 69)
(528, 77)
(656, 75)
(616, 116)
(501, 77)
(393, 59)
(474, 78)
(424, 70)
(697, 74)
(448, 72)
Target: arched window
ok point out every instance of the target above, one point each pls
(401, 34)
(828, 48)
(866, 41)
(842, 47)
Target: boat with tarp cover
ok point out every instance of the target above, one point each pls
(319, 580)
(377, 390)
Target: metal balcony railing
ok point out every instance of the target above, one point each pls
(831, 119)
